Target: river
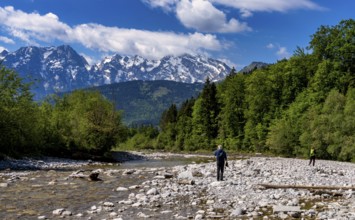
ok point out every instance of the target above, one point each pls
(36, 194)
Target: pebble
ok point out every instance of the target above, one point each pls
(121, 189)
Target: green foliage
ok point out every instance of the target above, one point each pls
(284, 108)
(232, 118)
(141, 137)
(204, 119)
(86, 121)
(18, 116)
(168, 117)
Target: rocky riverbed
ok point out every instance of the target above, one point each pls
(187, 191)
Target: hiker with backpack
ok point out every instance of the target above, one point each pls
(221, 158)
(312, 156)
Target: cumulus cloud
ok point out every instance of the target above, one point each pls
(27, 26)
(33, 27)
(145, 43)
(203, 16)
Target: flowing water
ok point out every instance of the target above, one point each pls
(37, 193)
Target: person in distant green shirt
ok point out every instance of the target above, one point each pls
(312, 154)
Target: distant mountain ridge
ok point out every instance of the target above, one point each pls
(60, 69)
(253, 66)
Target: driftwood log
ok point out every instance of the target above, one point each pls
(271, 186)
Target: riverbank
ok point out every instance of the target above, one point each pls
(188, 191)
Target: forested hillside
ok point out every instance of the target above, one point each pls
(143, 102)
(285, 108)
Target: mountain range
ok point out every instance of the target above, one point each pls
(142, 88)
(62, 69)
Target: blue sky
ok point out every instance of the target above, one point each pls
(234, 31)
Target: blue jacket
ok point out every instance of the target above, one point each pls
(221, 155)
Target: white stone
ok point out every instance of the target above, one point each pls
(109, 204)
(209, 202)
(137, 204)
(142, 215)
(201, 212)
(152, 191)
(126, 202)
(121, 189)
(185, 175)
(4, 185)
(198, 217)
(236, 212)
(113, 214)
(67, 213)
(58, 211)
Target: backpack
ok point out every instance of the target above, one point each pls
(220, 155)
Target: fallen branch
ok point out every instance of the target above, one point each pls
(271, 186)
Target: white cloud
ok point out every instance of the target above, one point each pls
(28, 26)
(229, 62)
(33, 28)
(145, 43)
(268, 5)
(270, 46)
(283, 53)
(89, 59)
(7, 40)
(2, 49)
(166, 5)
(245, 13)
(203, 16)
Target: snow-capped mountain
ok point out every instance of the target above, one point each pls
(185, 68)
(62, 69)
(3, 54)
(50, 68)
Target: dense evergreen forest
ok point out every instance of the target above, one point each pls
(284, 109)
